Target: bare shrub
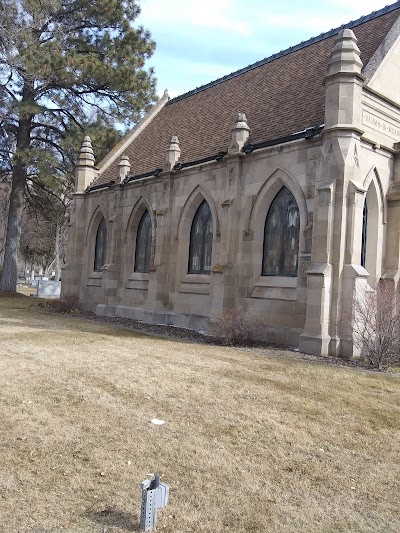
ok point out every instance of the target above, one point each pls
(69, 303)
(237, 328)
(373, 323)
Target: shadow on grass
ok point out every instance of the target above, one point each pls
(112, 517)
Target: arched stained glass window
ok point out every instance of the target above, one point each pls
(201, 237)
(143, 244)
(364, 235)
(281, 236)
(100, 246)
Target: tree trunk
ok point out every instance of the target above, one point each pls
(57, 253)
(9, 276)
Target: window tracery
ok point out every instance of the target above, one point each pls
(143, 244)
(364, 235)
(281, 236)
(100, 246)
(201, 238)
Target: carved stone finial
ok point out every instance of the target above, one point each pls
(124, 168)
(86, 155)
(85, 171)
(240, 134)
(346, 54)
(173, 154)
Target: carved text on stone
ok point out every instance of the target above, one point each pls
(381, 125)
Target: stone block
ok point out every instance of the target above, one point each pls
(48, 289)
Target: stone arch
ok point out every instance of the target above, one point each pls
(193, 202)
(266, 195)
(136, 214)
(188, 211)
(94, 222)
(90, 240)
(373, 177)
(281, 236)
(201, 241)
(376, 219)
(131, 228)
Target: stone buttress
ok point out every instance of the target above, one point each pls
(335, 271)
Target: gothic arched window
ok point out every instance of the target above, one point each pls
(100, 246)
(201, 237)
(364, 235)
(143, 244)
(281, 236)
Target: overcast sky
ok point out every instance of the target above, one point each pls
(201, 40)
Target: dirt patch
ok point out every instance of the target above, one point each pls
(11, 294)
(185, 334)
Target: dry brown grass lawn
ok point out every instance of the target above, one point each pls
(27, 291)
(252, 442)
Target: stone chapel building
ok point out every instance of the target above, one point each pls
(275, 190)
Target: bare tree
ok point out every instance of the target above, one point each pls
(372, 322)
(238, 327)
(37, 245)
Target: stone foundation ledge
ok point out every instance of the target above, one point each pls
(190, 321)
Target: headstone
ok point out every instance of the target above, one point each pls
(48, 289)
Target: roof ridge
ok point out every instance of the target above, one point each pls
(349, 25)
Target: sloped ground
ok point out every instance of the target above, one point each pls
(252, 442)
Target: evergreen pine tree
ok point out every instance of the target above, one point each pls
(63, 64)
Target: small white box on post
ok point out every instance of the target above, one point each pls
(154, 496)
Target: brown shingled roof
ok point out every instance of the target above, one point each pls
(280, 95)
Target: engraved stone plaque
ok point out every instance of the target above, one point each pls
(381, 125)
